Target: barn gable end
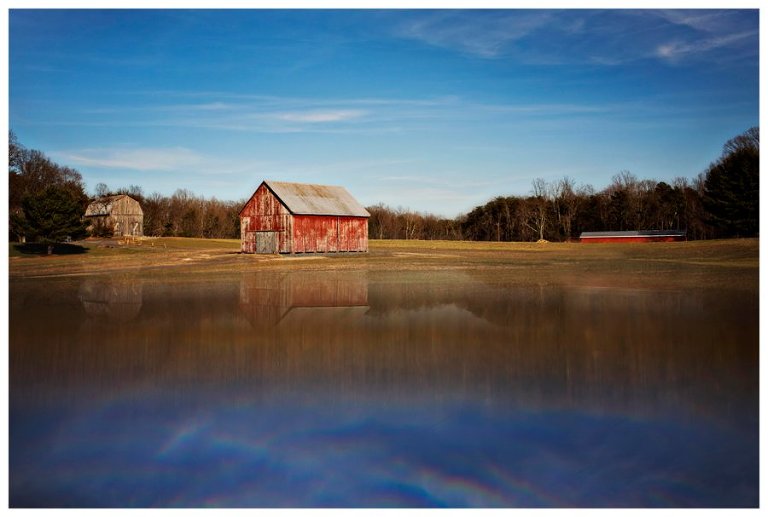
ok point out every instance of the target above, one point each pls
(115, 215)
(283, 217)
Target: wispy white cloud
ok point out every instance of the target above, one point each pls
(349, 116)
(484, 35)
(691, 33)
(706, 20)
(675, 50)
(206, 106)
(598, 37)
(263, 114)
(320, 116)
(140, 159)
(236, 100)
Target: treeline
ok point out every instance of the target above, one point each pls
(400, 223)
(183, 214)
(186, 215)
(722, 201)
(559, 211)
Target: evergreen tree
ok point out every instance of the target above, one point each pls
(52, 215)
(30, 172)
(732, 187)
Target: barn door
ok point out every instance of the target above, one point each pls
(266, 242)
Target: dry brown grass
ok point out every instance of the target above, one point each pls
(723, 263)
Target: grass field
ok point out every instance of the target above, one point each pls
(719, 263)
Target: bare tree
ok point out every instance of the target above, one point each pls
(749, 140)
(101, 190)
(539, 207)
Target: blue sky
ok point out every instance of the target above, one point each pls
(435, 110)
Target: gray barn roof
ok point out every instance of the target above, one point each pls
(306, 199)
(102, 205)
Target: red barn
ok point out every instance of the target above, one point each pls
(633, 236)
(285, 217)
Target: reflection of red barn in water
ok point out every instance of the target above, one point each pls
(270, 299)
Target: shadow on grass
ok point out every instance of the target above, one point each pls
(33, 248)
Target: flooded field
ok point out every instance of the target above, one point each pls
(369, 387)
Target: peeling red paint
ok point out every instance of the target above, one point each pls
(325, 233)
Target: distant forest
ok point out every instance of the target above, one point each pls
(722, 201)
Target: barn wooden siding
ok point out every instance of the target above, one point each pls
(633, 236)
(121, 215)
(329, 234)
(296, 218)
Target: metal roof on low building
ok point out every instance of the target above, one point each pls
(308, 199)
(640, 233)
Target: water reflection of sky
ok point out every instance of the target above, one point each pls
(164, 453)
(352, 390)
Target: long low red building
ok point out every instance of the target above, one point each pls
(282, 217)
(633, 236)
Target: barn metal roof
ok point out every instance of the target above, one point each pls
(641, 233)
(306, 199)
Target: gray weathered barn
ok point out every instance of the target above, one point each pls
(115, 215)
(285, 217)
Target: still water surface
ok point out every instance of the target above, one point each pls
(372, 389)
